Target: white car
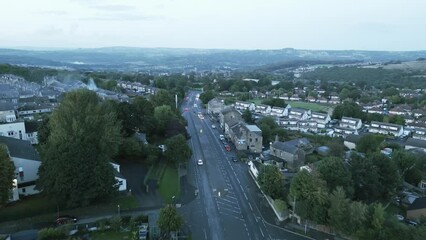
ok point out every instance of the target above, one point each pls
(200, 162)
(162, 147)
(213, 126)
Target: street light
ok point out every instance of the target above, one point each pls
(118, 207)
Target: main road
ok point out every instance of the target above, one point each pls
(228, 204)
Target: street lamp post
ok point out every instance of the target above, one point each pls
(118, 209)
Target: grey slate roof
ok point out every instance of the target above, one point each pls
(416, 143)
(285, 146)
(419, 203)
(31, 126)
(20, 148)
(5, 106)
(353, 138)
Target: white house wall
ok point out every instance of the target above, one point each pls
(13, 129)
(29, 167)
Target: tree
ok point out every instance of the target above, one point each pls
(206, 96)
(389, 178)
(339, 209)
(7, 174)
(365, 178)
(162, 97)
(369, 143)
(43, 130)
(310, 196)
(247, 116)
(169, 221)
(348, 109)
(178, 150)
(163, 114)
(84, 137)
(335, 174)
(271, 181)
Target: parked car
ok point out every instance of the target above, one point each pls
(228, 148)
(234, 159)
(400, 217)
(221, 137)
(411, 222)
(143, 231)
(213, 126)
(65, 219)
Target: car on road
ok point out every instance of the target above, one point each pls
(65, 219)
(228, 148)
(200, 162)
(213, 126)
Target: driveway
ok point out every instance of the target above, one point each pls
(135, 174)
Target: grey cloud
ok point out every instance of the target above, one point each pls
(52, 12)
(122, 17)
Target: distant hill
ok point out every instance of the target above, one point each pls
(170, 59)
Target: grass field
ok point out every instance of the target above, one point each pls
(42, 208)
(312, 106)
(169, 184)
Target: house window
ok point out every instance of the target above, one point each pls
(251, 140)
(120, 183)
(256, 139)
(10, 133)
(423, 185)
(23, 190)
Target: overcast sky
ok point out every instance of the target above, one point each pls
(230, 24)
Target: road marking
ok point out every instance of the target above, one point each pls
(242, 189)
(255, 218)
(245, 195)
(238, 180)
(205, 234)
(263, 235)
(250, 206)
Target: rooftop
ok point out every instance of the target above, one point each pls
(20, 148)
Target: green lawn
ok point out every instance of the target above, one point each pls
(41, 208)
(312, 106)
(169, 184)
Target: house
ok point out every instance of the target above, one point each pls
(322, 100)
(351, 141)
(412, 143)
(288, 123)
(13, 130)
(322, 119)
(417, 209)
(278, 112)
(31, 131)
(400, 110)
(26, 161)
(246, 137)
(7, 112)
(344, 131)
(29, 110)
(292, 152)
(299, 113)
(263, 109)
(377, 110)
(295, 97)
(386, 128)
(240, 105)
(311, 99)
(419, 133)
(308, 126)
(352, 123)
(121, 180)
(334, 98)
(229, 118)
(214, 106)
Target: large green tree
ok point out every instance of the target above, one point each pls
(163, 115)
(178, 150)
(7, 173)
(271, 181)
(169, 221)
(369, 143)
(84, 136)
(335, 174)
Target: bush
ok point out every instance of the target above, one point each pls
(141, 219)
(125, 220)
(115, 223)
(102, 224)
(52, 234)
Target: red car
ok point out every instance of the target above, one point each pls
(228, 148)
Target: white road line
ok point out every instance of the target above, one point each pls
(251, 208)
(238, 180)
(255, 218)
(205, 234)
(245, 195)
(263, 235)
(242, 189)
